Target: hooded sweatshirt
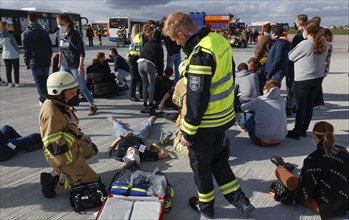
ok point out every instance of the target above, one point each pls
(248, 84)
(9, 45)
(270, 115)
(37, 46)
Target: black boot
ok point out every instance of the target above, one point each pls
(48, 183)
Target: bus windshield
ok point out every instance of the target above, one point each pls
(118, 22)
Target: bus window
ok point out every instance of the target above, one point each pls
(44, 23)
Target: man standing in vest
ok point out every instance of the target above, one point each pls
(210, 111)
(66, 148)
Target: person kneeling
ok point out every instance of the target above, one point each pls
(66, 148)
(265, 117)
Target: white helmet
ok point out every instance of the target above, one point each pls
(59, 81)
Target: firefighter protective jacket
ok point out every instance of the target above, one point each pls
(59, 136)
(210, 84)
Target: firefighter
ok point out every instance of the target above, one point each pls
(210, 111)
(65, 147)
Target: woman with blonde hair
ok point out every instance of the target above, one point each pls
(309, 57)
(323, 185)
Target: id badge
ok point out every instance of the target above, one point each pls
(141, 148)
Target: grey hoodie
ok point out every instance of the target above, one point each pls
(9, 45)
(248, 84)
(270, 115)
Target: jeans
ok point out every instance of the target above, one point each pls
(175, 60)
(135, 79)
(249, 123)
(17, 140)
(148, 74)
(40, 76)
(8, 64)
(142, 133)
(81, 80)
(305, 94)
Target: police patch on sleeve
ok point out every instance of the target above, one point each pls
(195, 83)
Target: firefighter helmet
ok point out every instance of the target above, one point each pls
(59, 81)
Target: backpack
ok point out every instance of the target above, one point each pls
(87, 196)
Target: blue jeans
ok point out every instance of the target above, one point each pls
(40, 76)
(175, 60)
(20, 142)
(247, 121)
(143, 132)
(81, 80)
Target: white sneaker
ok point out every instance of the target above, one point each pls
(19, 85)
(11, 85)
(40, 103)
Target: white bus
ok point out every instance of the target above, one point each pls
(122, 22)
(17, 21)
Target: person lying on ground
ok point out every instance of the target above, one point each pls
(130, 145)
(11, 142)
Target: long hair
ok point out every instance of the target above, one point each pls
(312, 28)
(324, 132)
(67, 18)
(327, 34)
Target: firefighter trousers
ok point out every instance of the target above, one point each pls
(208, 157)
(76, 172)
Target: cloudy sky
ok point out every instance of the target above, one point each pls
(331, 11)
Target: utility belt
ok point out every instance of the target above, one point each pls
(132, 58)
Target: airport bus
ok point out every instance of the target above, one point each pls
(103, 24)
(125, 23)
(17, 21)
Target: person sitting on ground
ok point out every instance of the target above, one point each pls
(130, 145)
(246, 85)
(323, 182)
(121, 67)
(99, 78)
(162, 86)
(254, 66)
(266, 122)
(11, 142)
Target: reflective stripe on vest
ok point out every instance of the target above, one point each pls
(230, 187)
(220, 109)
(208, 197)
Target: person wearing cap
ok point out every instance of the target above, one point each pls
(65, 147)
(130, 145)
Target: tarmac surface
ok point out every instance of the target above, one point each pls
(20, 189)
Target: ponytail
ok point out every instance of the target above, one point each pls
(324, 132)
(312, 28)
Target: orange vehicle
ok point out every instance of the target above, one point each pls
(217, 22)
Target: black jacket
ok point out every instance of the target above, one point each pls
(324, 179)
(153, 51)
(37, 46)
(100, 81)
(172, 47)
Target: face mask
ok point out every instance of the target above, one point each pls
(75, 101)
(110, 56)
(132, 157)
(63, 28)
(304, 36)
